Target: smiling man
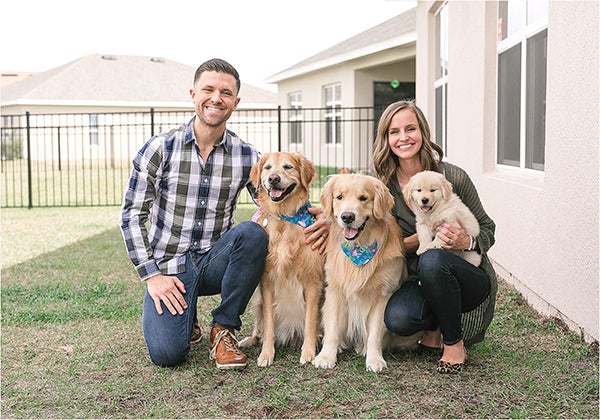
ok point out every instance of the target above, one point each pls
(177, 224)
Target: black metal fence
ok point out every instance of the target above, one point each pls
(60, 160)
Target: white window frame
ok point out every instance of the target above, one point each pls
(441, 76)
(332, 98)
(295, 117)
(523, 32)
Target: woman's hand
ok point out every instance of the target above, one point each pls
(317, 233)
(454, 237)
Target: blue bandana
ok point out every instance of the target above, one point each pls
(302, 217)
(360, 255)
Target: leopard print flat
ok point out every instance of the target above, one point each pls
(450, 368)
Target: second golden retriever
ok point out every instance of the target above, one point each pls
(429, 195)
(287, 302)
(365, 265)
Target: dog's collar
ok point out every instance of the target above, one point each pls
(302, 217)
(360, 254)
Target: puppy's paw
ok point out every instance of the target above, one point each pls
(376, 364)
(324, 361)
(249, 341)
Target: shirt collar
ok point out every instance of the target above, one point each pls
(190, 138)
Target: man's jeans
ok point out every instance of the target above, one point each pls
(232, 268)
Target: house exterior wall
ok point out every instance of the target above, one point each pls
(547, 221)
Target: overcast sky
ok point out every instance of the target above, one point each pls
(259, 37)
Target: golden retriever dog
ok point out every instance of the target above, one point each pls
(429, 195)
(365, 264)
(287, 302)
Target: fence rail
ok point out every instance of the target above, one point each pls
(63, 160)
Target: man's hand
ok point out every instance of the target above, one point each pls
(316, 234)
(168, 290)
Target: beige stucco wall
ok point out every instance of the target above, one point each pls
(547, 222)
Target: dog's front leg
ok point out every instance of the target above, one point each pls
(375, 332)
(312, 297)
(427, 239)
(335, 323)
(267, 353)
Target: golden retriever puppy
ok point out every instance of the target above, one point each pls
(429, 195)
(365, 264)
(287, 302)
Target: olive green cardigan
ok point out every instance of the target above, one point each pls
(475, 322)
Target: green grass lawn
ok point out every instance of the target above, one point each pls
(72, 347)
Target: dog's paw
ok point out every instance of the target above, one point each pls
(376, 364)
(249, 341)
(307, 356)
(324, 362)
(265, 359)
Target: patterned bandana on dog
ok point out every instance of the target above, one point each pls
(302, 217)
(360, 255)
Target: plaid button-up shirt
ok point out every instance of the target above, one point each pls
(189, 203)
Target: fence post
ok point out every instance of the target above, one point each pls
(279, 127)
(151, 122)
(29, 180)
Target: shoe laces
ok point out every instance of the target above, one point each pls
(228, 340)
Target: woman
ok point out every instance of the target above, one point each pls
(449, 299)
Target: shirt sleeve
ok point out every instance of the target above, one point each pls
(139, 196)
(467, 192)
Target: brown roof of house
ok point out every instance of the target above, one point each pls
(117, 79)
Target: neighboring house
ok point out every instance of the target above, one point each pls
(10, 77)
(511, 90)
(368, 70)
(107, 99)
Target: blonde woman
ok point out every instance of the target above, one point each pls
(448, 299)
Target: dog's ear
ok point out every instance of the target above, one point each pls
(383, 202)
(446, 188)
(307, 170)
(407, 192)
(255, 173)
(327, 195)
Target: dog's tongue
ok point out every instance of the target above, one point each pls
(350, 233)
(275, 193)
(426, 209)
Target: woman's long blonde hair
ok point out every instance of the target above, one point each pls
(385, 162)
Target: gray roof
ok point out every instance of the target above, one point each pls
(118, 80)
(397, 27)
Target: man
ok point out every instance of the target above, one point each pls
(185, 184)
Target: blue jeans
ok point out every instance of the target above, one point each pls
(233, 268)
(448, 286)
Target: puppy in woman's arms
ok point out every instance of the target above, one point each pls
(429, 195)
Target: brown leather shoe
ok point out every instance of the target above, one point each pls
(196, 334)
(224, 349)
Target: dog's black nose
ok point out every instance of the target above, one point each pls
(425, 200)
(274, 179)
(347, 217)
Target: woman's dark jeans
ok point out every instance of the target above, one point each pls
(448, 286)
